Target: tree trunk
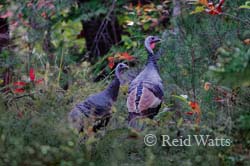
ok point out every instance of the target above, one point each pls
(176, 13)
(6, 74)
(4, 34)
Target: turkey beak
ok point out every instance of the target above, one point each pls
(125, 67)
(157, 39)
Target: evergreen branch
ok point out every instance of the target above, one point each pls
(247, 22)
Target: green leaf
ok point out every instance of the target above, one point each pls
(146, 26)
(180, 122)
(198, 9)
(246, 6)
(180, 97)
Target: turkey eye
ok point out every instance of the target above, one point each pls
(153, 38)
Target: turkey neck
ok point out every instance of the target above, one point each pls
(151, 62)
(113, 89)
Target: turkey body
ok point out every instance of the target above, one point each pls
(96, 110)
(145, 93)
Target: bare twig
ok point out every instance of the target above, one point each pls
(102, 28)
(18, 97)
(193, 73)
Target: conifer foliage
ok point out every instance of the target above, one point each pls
(49, 63)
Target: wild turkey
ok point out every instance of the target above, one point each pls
(95, 111)
(145, 92)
